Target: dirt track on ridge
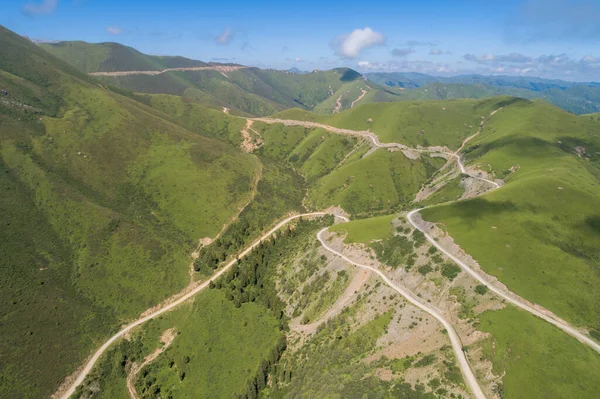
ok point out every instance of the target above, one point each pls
(223, 69)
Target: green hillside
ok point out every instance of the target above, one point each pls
(109, 57)
(104, 200)
(540, 248)
(425, 123)
(259, 92)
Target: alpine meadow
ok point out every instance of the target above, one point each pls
(191, 208)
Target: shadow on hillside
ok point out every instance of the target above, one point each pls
(484, 104)
(529, 147)
(472, 210)
(349, 75)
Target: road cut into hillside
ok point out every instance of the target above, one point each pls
(463, 363)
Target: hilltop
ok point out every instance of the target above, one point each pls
(109, 57)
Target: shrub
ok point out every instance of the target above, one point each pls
(450, 271)
(425, 269)
(481, 289)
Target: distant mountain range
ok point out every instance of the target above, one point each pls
(579, 98)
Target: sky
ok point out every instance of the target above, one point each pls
(547, 38)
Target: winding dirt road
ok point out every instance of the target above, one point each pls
(511, 296)
(454, 338)
(362, 94)
(463, 363)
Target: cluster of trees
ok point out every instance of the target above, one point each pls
(266, 367)
(395, 250)
(450, 270)
(231, 242)
(252, 279)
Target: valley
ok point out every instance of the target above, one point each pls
(177, 228)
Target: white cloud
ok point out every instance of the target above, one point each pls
(46, 7)
(114, 30)
(367, 65)
(352, 44)
(297, 59)
(226, 37)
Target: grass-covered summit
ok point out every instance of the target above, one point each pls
(109, 57)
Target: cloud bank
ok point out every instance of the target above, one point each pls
(551, 65)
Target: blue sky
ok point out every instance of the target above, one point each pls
(548, 38)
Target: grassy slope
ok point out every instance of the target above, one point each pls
(378, 183)
(595, 116)
(224, 345)
(542, 249)
(540, 360)
(197, 117)
(451, 191)
(375, 184)
(108, 57)
(106, 198)
(412, 123)
(366, 230)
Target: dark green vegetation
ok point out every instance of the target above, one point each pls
(102, 201)
(539, 359)
(278, 192)
(228, 340)
(579, 98)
